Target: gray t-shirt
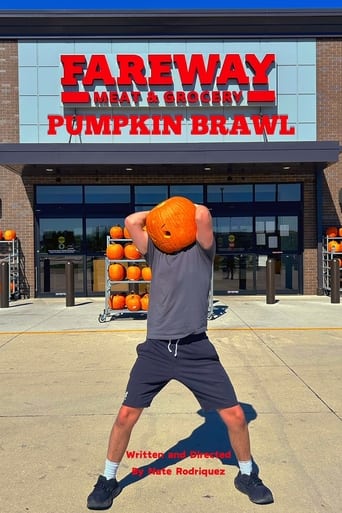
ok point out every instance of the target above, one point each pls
(179, 293)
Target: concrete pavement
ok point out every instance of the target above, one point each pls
(63, 375)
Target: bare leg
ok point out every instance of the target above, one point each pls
(251, 485)
(234, 419)
(121, 432)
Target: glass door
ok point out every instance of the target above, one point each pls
(287, 273)
(234, 274)
(60, 241)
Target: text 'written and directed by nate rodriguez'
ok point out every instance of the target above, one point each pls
(176, 456)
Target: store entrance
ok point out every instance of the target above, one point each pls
(236, 273)
(251, 222)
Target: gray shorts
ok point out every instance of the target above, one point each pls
(192, 361)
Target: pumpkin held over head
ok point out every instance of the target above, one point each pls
(171, 224)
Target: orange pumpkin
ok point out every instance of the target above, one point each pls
(9, 234)
(116, 232)
(331, 231)
(145, 301)
(146, 273)
(334, 246)
(0, 235)
(133, 272)
(132, 252)
(116, 272)
(117, 301)
(340, 232)
(133, 302)
(171, 224)
(126, 233)
(115, 251)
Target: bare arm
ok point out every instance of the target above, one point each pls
(135, 225)
(205, 235)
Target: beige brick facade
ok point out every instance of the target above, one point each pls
(329, 121)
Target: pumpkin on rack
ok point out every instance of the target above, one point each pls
(126, 233)
(133, 302)
(115, 251)
(116, 232)
(117, 301)
(116, 272)
(133, 272)
(171, 224)
(131, 252)
(331, 231)
(9, 234)
(145, 301)
(146, 273)
(334, 246)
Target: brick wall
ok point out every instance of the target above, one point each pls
(9, 108)
(16, 199)
(329, 121)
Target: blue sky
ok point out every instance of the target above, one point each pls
(174, 4)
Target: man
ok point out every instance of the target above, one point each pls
(177, 347)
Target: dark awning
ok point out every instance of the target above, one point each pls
(18, 156)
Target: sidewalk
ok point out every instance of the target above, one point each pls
(63, 375)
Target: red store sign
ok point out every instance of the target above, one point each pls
(167, 80)
(164, 70)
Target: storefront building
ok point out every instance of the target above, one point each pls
(103, 113)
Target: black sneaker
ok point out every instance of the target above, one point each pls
(103, 494)
(254, 488)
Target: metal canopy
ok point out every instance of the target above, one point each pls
(17, 156)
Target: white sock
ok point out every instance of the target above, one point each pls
(246, 467)
(110, 469)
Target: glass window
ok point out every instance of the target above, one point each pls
(59, 194)
(107, 194)
(97, 231)
(230, 193)
(150, 194)
(193, 192)
(60, 236)
(289, 192)
(265, 192)
(288, 232)
(233, 233)
(265, 233)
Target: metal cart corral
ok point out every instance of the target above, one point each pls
(9, 252)
(328, 256)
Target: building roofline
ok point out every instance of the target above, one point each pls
(23, 24)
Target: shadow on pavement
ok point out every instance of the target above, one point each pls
(209, 437)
